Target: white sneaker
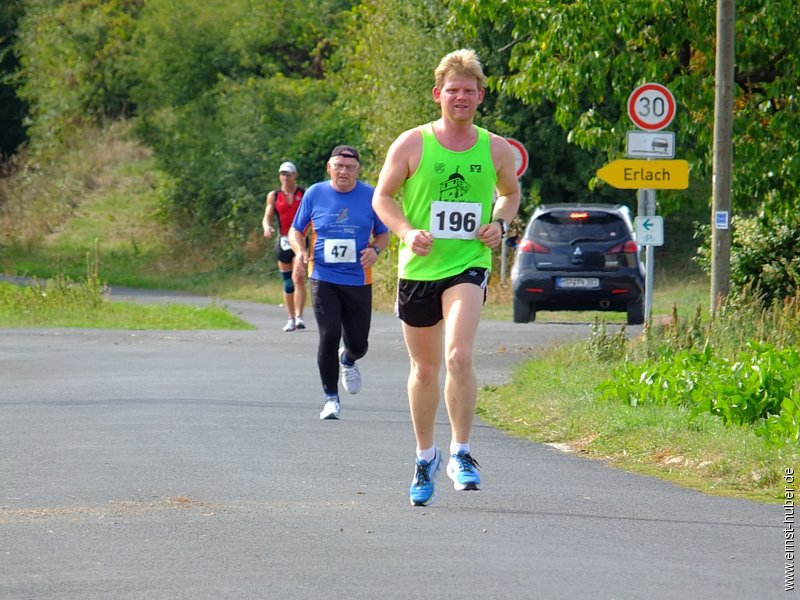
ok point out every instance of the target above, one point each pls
(351, 376)
(331, 410)
(299, 323)
(290, 326)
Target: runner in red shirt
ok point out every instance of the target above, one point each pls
(283, 204)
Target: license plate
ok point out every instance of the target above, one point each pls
(578, 282)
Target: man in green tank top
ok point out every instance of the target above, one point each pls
(449, 221)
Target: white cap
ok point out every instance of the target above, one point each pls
(287, 167)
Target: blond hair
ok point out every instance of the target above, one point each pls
(460, 63)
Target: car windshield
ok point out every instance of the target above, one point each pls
(560, 227)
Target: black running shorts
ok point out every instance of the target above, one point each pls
(419, 303)
(283, 251)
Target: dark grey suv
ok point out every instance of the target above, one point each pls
(578, 257)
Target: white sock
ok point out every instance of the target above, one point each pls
(455, 447)
(426, 455)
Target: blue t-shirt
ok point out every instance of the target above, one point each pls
(341, 227)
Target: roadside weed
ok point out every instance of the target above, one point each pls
(712, 404)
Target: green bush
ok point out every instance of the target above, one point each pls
(765, 255)
(743, 366)
(75, 63)
(222, 177)
(757, 387)
(226, 96)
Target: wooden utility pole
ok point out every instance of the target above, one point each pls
(723, 154)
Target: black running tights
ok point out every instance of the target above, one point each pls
(342, 311)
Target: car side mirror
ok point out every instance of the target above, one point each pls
(512, 241)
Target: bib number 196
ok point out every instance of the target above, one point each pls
(455, 220)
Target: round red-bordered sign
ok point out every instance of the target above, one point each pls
(520, 154)
(651, 107)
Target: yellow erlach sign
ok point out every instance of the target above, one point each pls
(646, 174)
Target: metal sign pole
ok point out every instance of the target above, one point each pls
(504, 250)
(649, 197)
(503, 258)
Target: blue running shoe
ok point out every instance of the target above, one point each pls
(423, 488)
(463, 470)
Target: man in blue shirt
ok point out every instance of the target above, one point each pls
(346, 238)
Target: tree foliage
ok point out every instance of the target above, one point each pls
(765, 255)
(387, 81)
(75, 62)
(587, 56)
(558, 170)
(229, 89)
(12, 109)
(224, 90)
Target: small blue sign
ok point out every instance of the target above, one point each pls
(721, 219)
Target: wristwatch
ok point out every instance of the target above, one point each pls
(503, 225)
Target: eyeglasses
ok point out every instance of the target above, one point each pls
(345, 168)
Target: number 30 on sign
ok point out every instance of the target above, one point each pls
(651, 107)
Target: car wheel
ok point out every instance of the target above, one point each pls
(635, 313)
(523, 311)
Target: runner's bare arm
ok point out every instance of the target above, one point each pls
(298, 242)
(269, 215)
(369, 255)
(401, 161)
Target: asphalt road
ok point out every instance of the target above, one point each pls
(193, 465)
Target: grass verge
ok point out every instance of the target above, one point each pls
(551, 399)
(61, 303)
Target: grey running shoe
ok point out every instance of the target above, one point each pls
(331, 410)
(351, 376)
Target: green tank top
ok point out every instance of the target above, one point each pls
(451, 195)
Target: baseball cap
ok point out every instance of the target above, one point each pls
(287, 167)
(346, 152)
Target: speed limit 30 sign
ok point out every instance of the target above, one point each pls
(651, 107)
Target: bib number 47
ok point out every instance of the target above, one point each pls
(340, 251)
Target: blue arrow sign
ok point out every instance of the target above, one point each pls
(650, 231)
